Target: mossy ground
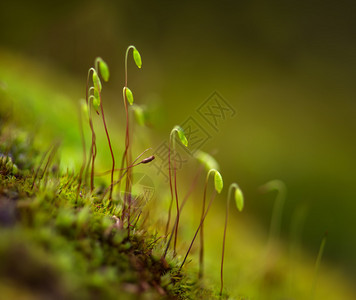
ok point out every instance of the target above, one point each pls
(57, 245)
(53, 246)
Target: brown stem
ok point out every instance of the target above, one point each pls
(124, 156)
(224, 238)
(127, 194)
(201, 254)
(177, 206)
(144, 161)
(84, 154)
(92, 156)
(199, 227)
(93, 149)
(127, 144)
(94, 152)
(171, 189)
(112, 154)
(194, 183)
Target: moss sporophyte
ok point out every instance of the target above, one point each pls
(126, 158)
(181, 135)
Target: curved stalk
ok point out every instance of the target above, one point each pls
(84, 154)
(179, 131)
(126, 155)
(170, 188)
(109, 142)
(93, 149)
(236, 187)
(177, 203)
(145, 160)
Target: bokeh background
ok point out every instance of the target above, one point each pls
(288, 68)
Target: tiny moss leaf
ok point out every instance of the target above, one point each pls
(239, 199)
(104, 70)
(181, 135)
(129, 95)
(218, 182)
(96, 94)
(96, 103)
(137, 58)
(96, 81)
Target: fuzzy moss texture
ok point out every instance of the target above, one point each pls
(54, 245)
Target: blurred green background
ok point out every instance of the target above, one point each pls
(288, 68)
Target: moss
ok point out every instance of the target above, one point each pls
(53, 245)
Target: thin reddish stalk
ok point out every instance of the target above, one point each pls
(145, 160)
(127, 145)
(112, 154)
(199, 227)
(194, 183)
(93, 149)
(126, 170)
(223, 247)
(171, 189)
(201, 254)
(84, 153)
(94, 152)
(177, 206)
(124, 156)
(127, 194)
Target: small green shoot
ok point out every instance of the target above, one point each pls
(126, 157)
(93, 149)
(239, 202)
(218, 182)
(96, 81)
(98, 87)
(103, 67)
(129, 95)
(181, 135)
(137, 58)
